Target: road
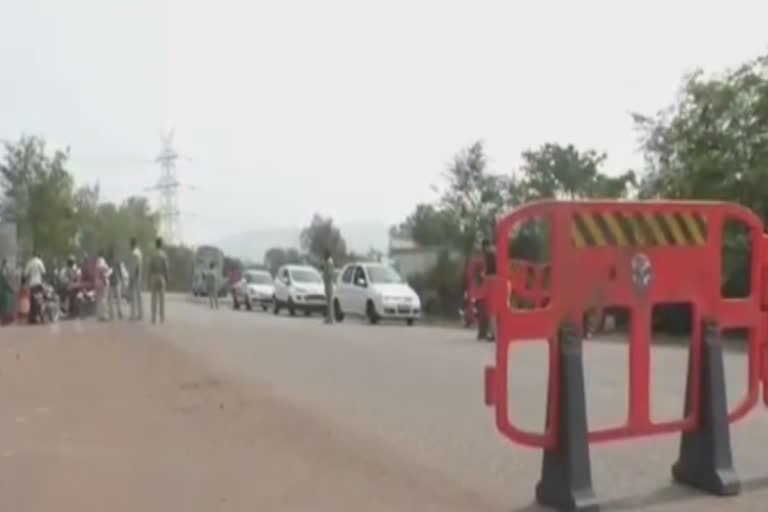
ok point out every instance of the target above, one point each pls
(289, 414)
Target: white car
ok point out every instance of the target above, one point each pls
(374, 291)
(255, 288)
(299, 288)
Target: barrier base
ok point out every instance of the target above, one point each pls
(566, 474)
(705, 460)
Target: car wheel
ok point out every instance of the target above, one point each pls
(235, 303)
(291, 308)
(370, 312)
(337, 312)
(275, 306)
(409, 322)
(264, 307)
(307, 312)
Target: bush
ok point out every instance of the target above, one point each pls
(441, 289)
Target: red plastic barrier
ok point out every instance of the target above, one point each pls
(630, 255)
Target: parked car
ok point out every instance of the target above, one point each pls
(255, 288)
(299, 288)
(374, 291)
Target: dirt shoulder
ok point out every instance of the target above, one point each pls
(107, 417)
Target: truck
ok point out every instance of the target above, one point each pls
(204, 256)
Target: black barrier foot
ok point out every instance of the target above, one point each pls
(566, 475)
(705, 460)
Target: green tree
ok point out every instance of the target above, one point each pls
(321, 235)
(711, 143)
(276, 257)
(474, 197)
(38, 196)
(563, 172)
(430, 225)
(104, 226)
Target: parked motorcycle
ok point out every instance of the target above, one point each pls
(468, 311)
(46, 304)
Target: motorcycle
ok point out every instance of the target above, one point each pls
(80, 301)
(46, 303)
(468, 312)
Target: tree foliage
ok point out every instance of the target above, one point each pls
(55, 219)
(429, 225)
(554, 171)
(321, 235)
(276, 257)
(37, 192)
(712, 143)
(473, 197)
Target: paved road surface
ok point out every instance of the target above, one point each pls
(244, 411)
(419, 391)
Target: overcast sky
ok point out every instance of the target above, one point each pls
(347, 107)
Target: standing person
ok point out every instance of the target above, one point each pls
(484, 331)
(136, 278)
(101, 284)
(212, 285)
(23, 301)
(7, 294)
(34, 272)
(328, 268)
(71, 286)
(158, 280)
(115, 293)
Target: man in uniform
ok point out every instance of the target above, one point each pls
(483, 317)
(212, 285)
(328, 268)
(136, 272)
(158, 280)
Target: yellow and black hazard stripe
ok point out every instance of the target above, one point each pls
(638, 229)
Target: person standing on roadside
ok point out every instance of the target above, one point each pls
(114, 297)
(101, 280)
(34, 272)
(136, 277)
(212, 285)
(158, 280)
(7, 294)
(328, 268)
(484, 330)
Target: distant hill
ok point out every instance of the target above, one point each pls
(252, 245)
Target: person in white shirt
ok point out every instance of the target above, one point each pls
(34, 272)
(136, 271)
(103, 271)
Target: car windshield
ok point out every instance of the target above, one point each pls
(258, 278)
(383, 275)
(305, 276)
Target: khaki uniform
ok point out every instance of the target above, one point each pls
(158, 276)
(211, 285)
(136, 272)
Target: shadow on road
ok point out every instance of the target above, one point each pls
(667, 495)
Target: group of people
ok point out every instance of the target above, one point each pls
(103, 279)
